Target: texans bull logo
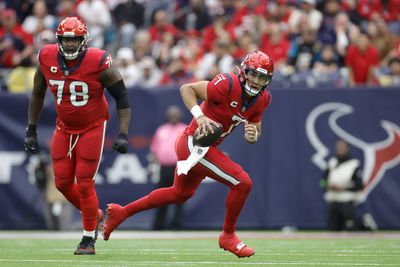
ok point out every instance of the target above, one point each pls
(378, 157)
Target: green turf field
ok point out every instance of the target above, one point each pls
(271, 250)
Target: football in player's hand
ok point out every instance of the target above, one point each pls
(209, 139)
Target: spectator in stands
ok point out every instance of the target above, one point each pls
(381, 38)
(151, 7)
(65, 8)
(342, 30)
(326, 68)
(248, 17)
(220, 28)
(305, 50)
(192, 16)
(142, 46)
(390, 76)
(150, 74)
(39, 25)
(126, 65)
(245, 44)
(176, 73)
(38, 22)
(343, 184)
(306, 16)
(161, 25)
(16, 45)
(245, 9)
(163, 149)
(216, 61)
(161, 49)
(327, 33)
(97, 17)
(369, 8)
(279, 12)
(129, 16)
(392, 15)
(276, 43)
(349, 7)
(189, 48)
(361, 59)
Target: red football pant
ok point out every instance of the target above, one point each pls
(81, 165)
(215, 165)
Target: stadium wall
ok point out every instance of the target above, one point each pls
(286, 165)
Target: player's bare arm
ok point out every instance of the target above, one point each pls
(252, 131)
(31, 143)
(112, 80)
(36, 100)
(190, 93)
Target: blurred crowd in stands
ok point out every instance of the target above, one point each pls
(314, 43)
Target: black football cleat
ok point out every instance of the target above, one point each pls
(86, 246)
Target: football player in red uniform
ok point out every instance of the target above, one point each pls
(76, 76)
(229, 100)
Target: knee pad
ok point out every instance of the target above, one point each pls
(62, 184)
(86, 187)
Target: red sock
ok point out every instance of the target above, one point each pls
(236, 198)
(89, 204)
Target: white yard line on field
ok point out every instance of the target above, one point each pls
(188, 263)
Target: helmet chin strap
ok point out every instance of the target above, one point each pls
(249, 90)
(69, 56)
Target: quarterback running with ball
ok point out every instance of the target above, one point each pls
(228, 100)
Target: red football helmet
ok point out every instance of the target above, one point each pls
(256, 72)
(74, 28)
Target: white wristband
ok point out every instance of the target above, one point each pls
(196, 111)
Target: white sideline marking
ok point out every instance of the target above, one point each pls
(123, 234)
(213, 263)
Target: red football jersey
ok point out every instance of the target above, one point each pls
(79, 95)
(227, 103)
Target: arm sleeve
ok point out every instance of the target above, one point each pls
(119, 92)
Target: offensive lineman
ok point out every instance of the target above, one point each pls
(76, 76)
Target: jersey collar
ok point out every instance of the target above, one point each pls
(247, 104)
(68, 71)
